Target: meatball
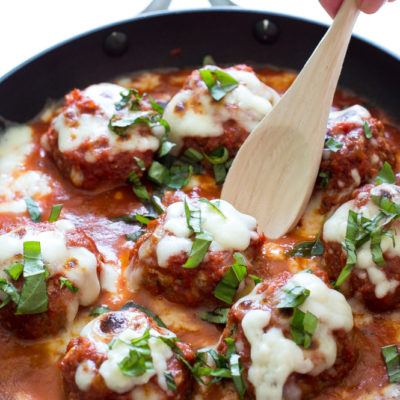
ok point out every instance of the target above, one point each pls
(198, 120)
(160, 256)
(274, 359)
(44, 296)
(88, 150)
(350, 158)
(376, 270)
(125, 355)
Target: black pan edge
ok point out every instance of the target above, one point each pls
(180, 39)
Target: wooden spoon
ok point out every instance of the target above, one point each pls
(274, 172)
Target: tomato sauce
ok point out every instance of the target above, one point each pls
(28, 370)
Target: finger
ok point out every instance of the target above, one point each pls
(370, 6)
(331, 6)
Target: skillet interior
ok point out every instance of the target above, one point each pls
(226, 34)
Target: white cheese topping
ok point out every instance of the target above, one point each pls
(77, 264)
(335, 231)
(89, 128)
(109, 369)
(84, 375)
(274, 357)
(355, 114)
(233, 231)
(15, 182)
(201, 116)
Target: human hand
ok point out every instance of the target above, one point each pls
(368, 6)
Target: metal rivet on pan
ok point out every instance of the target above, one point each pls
(116, 43)
(266, 31)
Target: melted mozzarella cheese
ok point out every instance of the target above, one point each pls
(355, 114)
(77, 264)
(232, 231)
(84, 375)
(90, 128)
(15, 182)
(109, 369)
(274, 357)
(193, 112)
(335, 231)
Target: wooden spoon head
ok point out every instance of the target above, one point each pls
(278, 182)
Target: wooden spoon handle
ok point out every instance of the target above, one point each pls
(274, 172)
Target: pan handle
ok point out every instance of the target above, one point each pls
(163, 5)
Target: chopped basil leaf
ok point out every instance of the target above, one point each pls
(33, 209)
(11, 291)
(208, 60)
(127, 100)
(138, 188)
(392, 360)
(213, 206)
(219, 173)
(367, 130)
(144, 220)
(65, 282)
(324, 179)
(256, 279)
(228, 285)
(193, 155)
(135, 235)
(165, 145)
(218, 156)
(99, 310)
(139, 360)
(236, 371)
(197, 252)
(34, 297)
(5, 301)
(156, 106)
(295, 296)
(333, 145)
(361, 229)
(180, 176)
(14, 270)
(170, 381)
(158, 173)
(55, 212)
(302, 327)
(218, 82)
(149, 313)
(140, 163)
(193, 217)
(217, 316)
(386, 174)
(307, 249)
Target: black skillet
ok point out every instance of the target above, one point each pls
(182, 39)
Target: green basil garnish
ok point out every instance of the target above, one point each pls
(34, 297)
(156, 106)
(302, 327)
(55, 212)
(324, 179)
(135, 235)
(228, 285)
(149, 313)
(33, 209)
(99, 310)
(213, 206)
(192, 155)
(170, 381)
(197, 253)
(14, 270)
(218, 82)
(9, 289)
(140, 163)
(158, 173)
(367, 130)
(386, 174)
(392, 361)
(65, 282)
(333, 145)
(130, 98)
(295, 296)
(217, 316)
